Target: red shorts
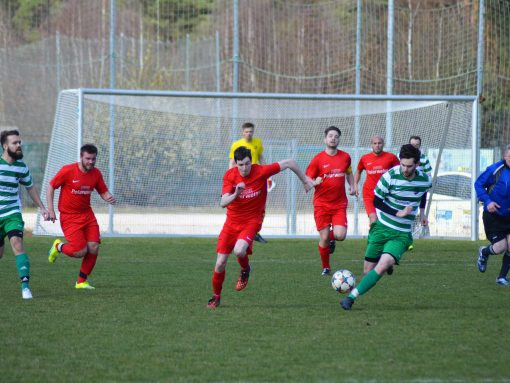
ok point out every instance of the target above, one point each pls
(232, 232)
(369, 204)
(325, 217)
(80, 228)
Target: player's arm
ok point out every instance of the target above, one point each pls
(350, 180)
(292, 165)
(381, 205)
(108, 197)
(357, 177)
(32, 192)
(228, 198)
(50, 194)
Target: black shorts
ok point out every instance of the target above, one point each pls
(496, 226)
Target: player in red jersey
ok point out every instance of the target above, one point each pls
(329, 169)
(244, 193)
(375, 164)
(78, 222)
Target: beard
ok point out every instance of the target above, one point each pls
(86, 167)
(17, 155)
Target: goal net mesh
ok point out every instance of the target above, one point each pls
(164, 156)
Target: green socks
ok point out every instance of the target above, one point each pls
(23, 266)
(366, 284)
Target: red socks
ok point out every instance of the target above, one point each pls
(244, 262)
(217, 282)
(87, 265)
(324, 253)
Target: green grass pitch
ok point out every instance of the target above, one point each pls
(436, 319)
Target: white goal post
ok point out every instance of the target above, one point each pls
(163, 154)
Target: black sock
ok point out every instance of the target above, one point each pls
(488, 250)
(505, 265)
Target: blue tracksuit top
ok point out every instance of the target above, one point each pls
(500, 193)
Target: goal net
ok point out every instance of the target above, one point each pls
(163, 154)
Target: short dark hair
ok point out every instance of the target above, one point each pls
(88, 148)
(7, 133)
(241, 153)
(248, 125)
(415, 138)
(409, 151)
(332, 127)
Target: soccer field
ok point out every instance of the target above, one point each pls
(436, 319)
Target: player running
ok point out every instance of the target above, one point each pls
(375, 164)
(14, 172)
(257, 153)
(329, 169)
(78, 222)
(397, 198)
(244, 193)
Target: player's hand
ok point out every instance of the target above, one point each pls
(404, 212)
(424, 221)
(355, 191)
(46, 214)
(239, 188)
(493, 207)
(352, 191)
(51, 216)
(317, 181)
(308, 185)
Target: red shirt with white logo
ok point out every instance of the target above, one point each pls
(250, 204)
(332, 169)
(77, 187)
(375, 166)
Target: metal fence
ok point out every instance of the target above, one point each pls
(302, 46)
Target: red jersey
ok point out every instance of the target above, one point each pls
(250, 204)
(331, 192)
(77, 187)
(375, 166)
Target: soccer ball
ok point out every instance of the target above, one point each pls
(343, 281)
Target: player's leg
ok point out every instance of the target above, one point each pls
(323, 223)
(505, 265)
(93, 238)
(226, 243)
(495, 232)
(76, 246)
(258, 237)
(14, 226)
(242, 249)
(394, 244)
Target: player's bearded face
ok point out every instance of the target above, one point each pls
(377, 146)
(88, 160)
(14, 147)
(408, 167)
(244, 166)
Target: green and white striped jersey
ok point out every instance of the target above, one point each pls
(425, 164)
(11, 175)
(398, 192)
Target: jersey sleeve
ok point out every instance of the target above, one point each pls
(383, 186)
(26, 179)
(227, 186)
(100, 184)
(395, 161)
(271, 169)
(59, 179)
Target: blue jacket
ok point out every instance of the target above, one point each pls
(496, 176)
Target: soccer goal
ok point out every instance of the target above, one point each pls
(163, 154)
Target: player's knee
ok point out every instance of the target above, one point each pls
(93, 247)
(340, 236)
(220, 266)
(239, 251)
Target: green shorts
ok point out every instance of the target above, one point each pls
(383, 239)
(13, 222)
